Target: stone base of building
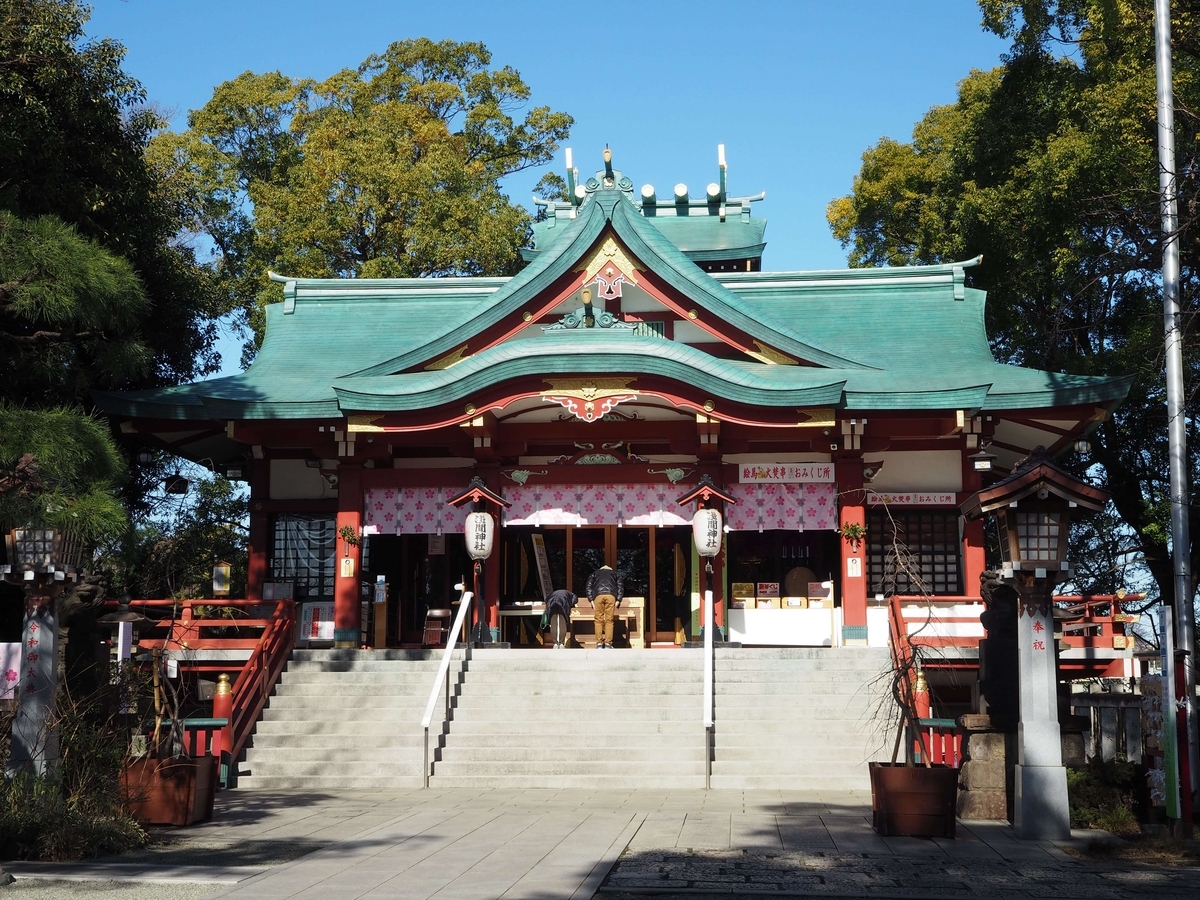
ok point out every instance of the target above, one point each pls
(985, 784)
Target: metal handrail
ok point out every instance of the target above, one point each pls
(708, 678)
(443, 670)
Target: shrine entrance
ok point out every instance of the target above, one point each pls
(655, 562)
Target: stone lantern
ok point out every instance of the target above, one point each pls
(1033, 508)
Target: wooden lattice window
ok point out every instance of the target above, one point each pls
(302, 552)
(928, 541)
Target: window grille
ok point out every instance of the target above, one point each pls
(303, 553)
(911, 552)
(650, 329)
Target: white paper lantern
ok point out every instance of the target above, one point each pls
(706, 531)
(479, 530)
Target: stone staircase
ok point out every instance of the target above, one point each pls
(786, 719)
(800, 718)
(347, 719)
(576, 719)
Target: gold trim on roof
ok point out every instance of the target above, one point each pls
(454, 356)
(771, 356)
(816, 417)
(610, 252)
(363, 423)
(589, 399)
(588, 388)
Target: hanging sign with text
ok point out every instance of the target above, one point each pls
(785, 473)
(913, 498)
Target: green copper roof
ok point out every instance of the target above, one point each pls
(882, 339)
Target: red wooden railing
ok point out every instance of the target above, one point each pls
(178, 630)
(1096, 622)
(943, 738)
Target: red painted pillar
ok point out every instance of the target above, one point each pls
(260, 537)
(974, 557)
(347, 599)
(854, 553)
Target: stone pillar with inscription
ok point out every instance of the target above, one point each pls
(34, 737)
(1040, 808)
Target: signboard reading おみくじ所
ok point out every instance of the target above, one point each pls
(785, 473)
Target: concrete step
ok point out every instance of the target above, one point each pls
(769, 653)
(676, 782)
(292, 741)
(337, 757)
(628, 751)
(461, 726)
(326, 701)
(566, 766)
(507, 683)
(365, 665)
(309, 769)
(346, 730)
(492, 745)
(379, 655)
(745, 681)
(414, 683)
(330, 783)
(505, 709)
(575, 703)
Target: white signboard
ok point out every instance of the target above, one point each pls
(912, 499)
(316, 622)
(785, 473)
(543, 566)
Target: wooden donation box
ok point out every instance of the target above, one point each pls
(631, 612)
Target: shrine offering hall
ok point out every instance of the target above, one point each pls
(640, 350)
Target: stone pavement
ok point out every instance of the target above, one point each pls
(612, 845)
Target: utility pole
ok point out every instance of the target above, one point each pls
(1184, 616)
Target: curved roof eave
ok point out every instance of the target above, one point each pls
(637, 357)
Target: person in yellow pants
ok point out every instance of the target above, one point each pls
(605, 590)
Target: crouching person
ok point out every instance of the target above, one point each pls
(558, 607)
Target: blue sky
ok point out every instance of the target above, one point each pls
(795, 90)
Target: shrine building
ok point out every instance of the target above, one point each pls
(641, 349)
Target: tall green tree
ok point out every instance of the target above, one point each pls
(390, 169)
(1047, 166)
(74, 128)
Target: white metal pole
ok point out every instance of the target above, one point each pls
(1176, 434)
(708, 671)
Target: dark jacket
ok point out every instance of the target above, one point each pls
(606, 581)
(561, 602)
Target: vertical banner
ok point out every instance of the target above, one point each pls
(1169, 739)
(34, 741)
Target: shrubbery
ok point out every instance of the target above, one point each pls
(78, 811)
(1103, 795)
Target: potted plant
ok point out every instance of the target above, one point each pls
(161, 783)
(910, 798)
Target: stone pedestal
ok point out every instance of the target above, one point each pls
(1040, 807)
(985, 779)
